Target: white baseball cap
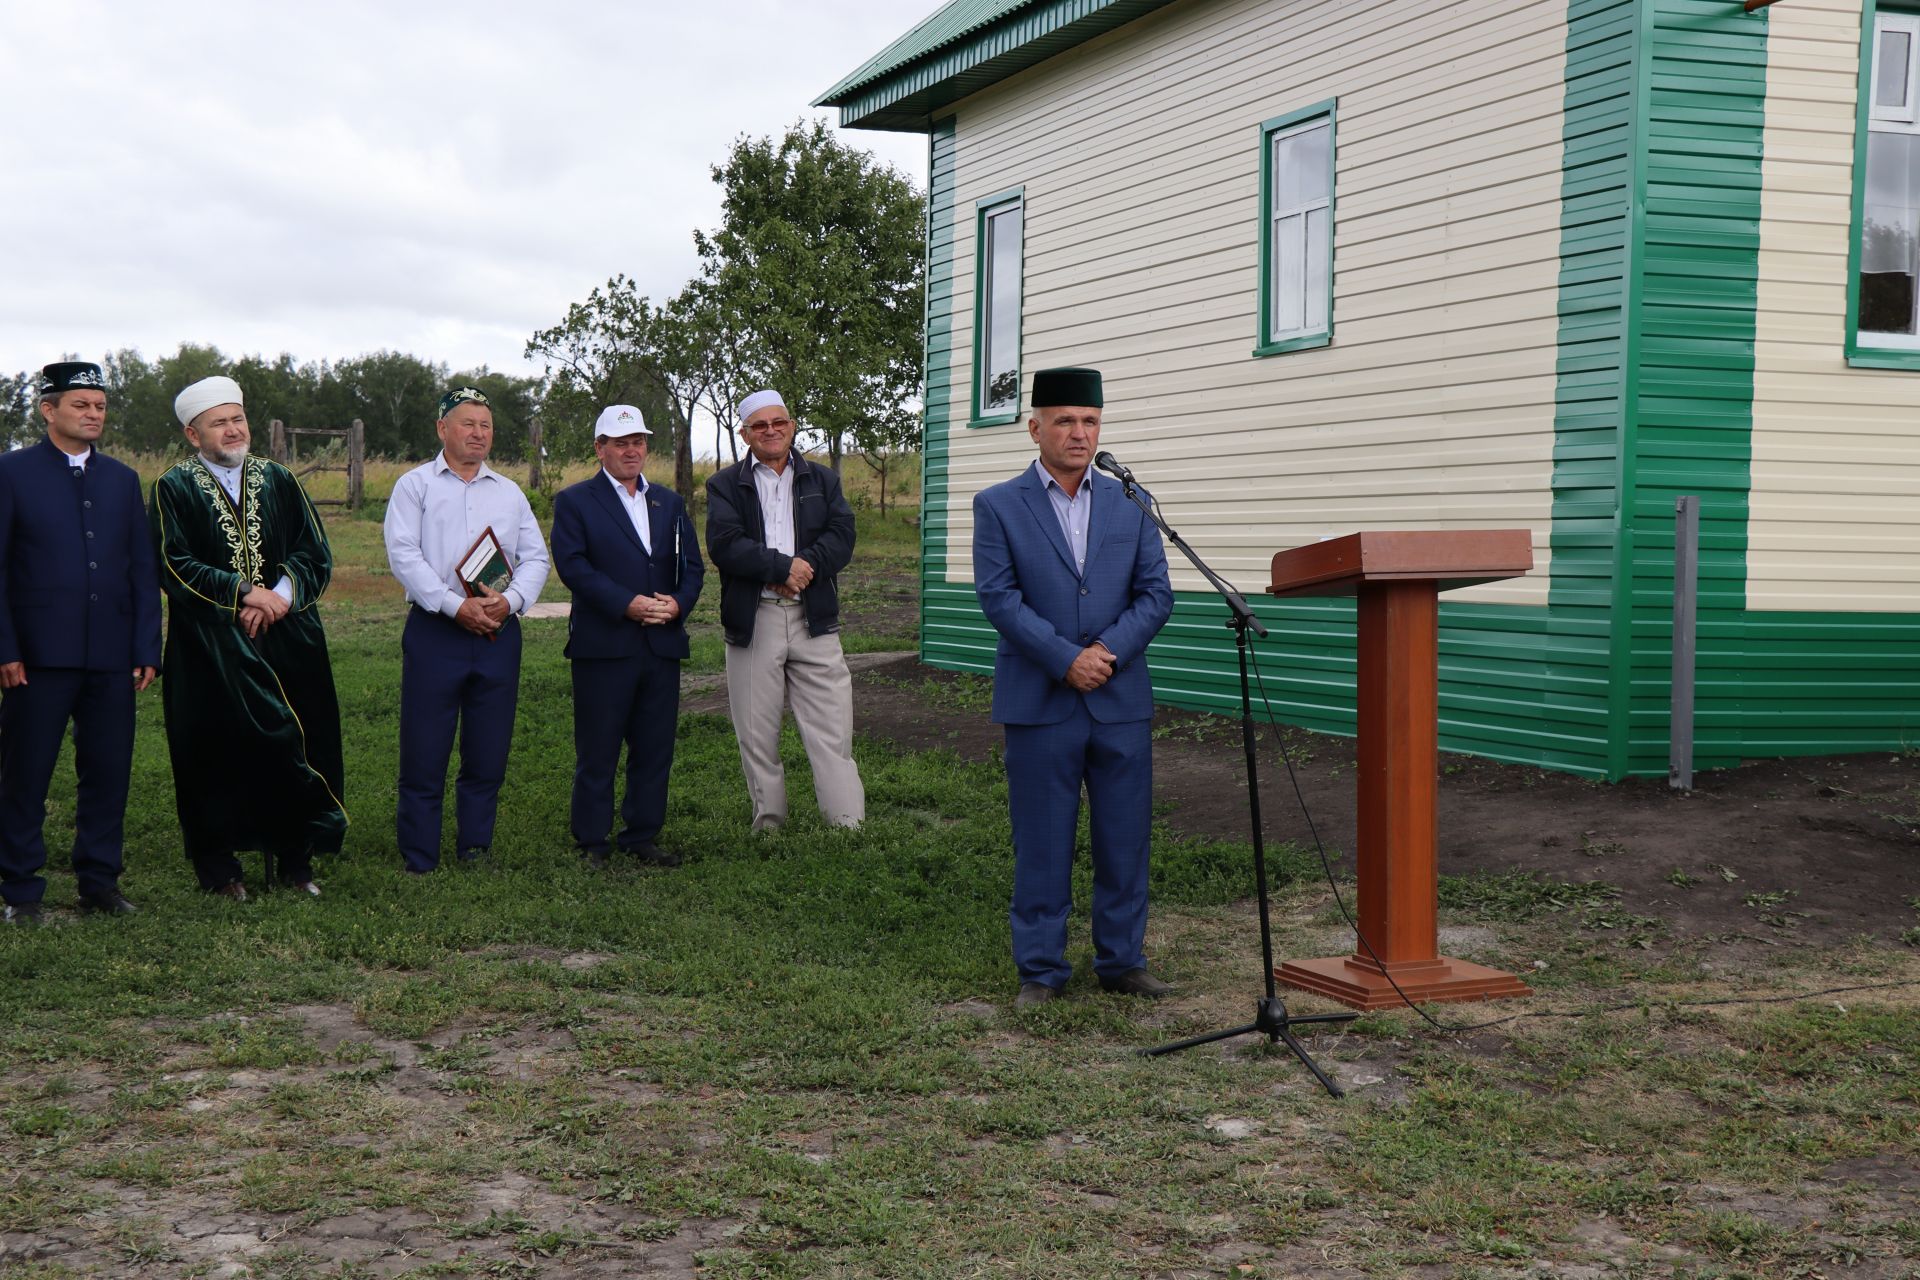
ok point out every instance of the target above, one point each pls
(618, 420)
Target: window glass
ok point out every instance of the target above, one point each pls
(1297, 238)
(1890, 69)
(1889, 232)
(1888, 301)
(999, 364)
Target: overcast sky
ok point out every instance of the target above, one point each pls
(430, 177)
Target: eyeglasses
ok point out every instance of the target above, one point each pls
(770, 424)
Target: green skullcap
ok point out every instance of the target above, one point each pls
(1068, 386)
(462, 395)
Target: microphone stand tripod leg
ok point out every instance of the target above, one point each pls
(1271, 1018)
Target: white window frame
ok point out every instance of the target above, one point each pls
(1278, 224)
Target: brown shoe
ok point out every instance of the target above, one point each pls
(1136, 982)
(232, 889)
(1032, 993)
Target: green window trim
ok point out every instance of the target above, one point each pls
(1865, 355)
(982, 210)
(1266, 343)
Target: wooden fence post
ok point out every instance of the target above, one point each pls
(278, 442)
(356, 464)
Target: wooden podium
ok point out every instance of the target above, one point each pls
(1397, 578)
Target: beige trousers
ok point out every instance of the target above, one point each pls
(784, 664)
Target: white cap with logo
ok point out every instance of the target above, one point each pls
(618, 420)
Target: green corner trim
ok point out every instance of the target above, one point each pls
(1264, 342)
(938, 398)
(1626, 483)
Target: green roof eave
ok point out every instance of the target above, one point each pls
(962, 49)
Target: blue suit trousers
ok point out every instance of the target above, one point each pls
(634, 700)
(452, 679)
(33, 721)
(1046, 766)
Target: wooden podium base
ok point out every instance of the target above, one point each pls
(1359, 982)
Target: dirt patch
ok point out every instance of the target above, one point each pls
(1809, 851)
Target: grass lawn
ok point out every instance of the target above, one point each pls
(795, 1056)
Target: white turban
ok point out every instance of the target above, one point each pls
(204, 395)
(758, 401)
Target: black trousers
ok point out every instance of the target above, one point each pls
(33, 720)
(635, 701)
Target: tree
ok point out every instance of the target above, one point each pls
(515, 401)
(603, 352)
(817, 266)
(19, 416)
(397, 396)
(693, 358)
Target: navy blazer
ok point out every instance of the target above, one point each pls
(597, 553)
(1046, 611)
(78, 583)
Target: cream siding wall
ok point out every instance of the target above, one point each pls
(1834, 518)
(1139, 156)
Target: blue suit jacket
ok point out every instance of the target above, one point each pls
(78, 583)
(598, 555)
(1046, 612)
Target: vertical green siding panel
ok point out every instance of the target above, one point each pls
(1605, 81)
(944, 610)
(1692, 421)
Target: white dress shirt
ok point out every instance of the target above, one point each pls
(78, 461)
(433, 518)
(636, 509)
(775, 491)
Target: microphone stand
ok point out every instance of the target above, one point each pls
(1270, 1018)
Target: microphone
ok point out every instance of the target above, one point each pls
(1111, 465)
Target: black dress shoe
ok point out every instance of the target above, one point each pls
(1136, 982)
(652, 855)
(110, 902)
(20, 913)
(1032, 993)
(473, 856)
(597, 859)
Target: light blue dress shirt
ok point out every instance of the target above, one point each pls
(433, 518)
(1073, 513)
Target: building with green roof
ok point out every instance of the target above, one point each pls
(1547, 264)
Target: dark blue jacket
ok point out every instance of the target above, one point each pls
(737, 541)
(598, 555)
(1046, 611)
(78, 586)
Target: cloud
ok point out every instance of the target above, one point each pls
(429, 177)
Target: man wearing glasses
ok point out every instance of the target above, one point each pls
(627, 551)
(780, 531)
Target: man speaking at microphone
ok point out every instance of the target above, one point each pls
(1074, 578)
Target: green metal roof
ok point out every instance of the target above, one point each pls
(962, 48)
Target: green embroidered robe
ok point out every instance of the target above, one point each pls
(252, 724)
